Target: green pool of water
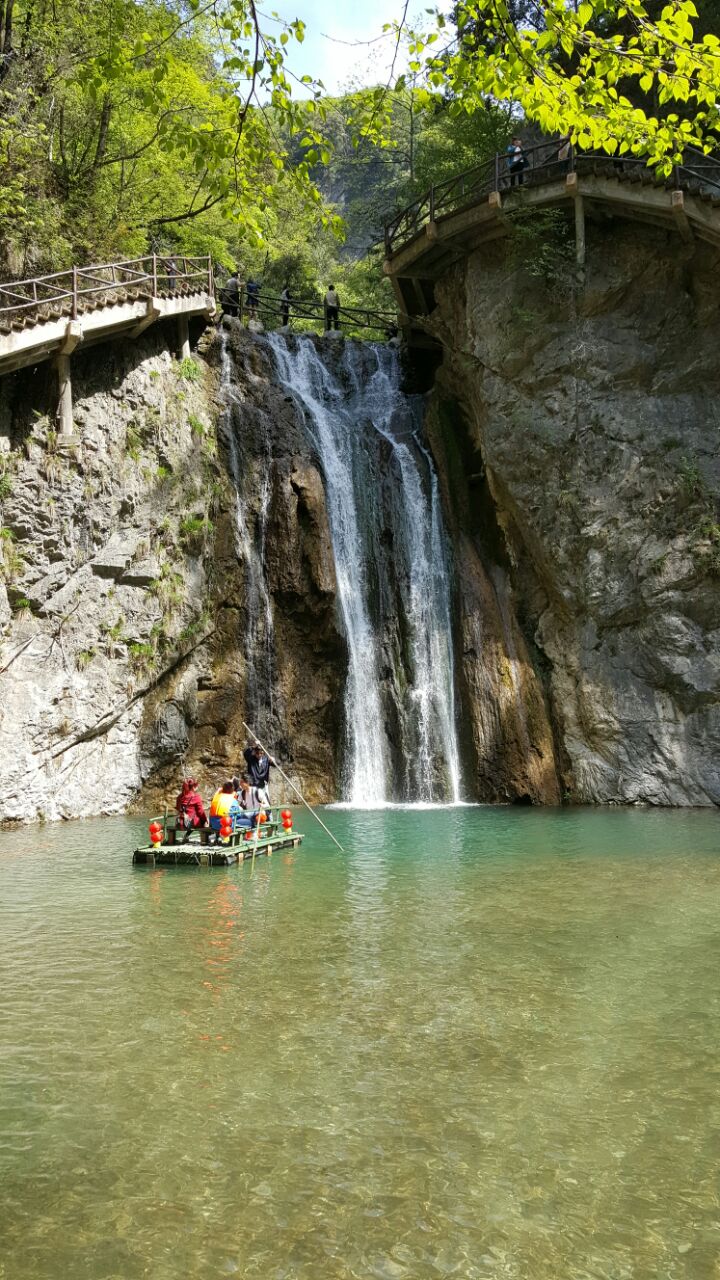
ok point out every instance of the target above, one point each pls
(481, 1043)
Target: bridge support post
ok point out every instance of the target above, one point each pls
(65, 404)
(580, 233)
(183, 337)
(677, 204)
(573, 190)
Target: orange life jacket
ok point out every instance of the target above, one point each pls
(221, 803)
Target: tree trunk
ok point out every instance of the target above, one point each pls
(103, 134)
(6, 36)
(6, 30)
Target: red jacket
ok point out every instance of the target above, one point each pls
(190, 807)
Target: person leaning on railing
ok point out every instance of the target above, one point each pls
(253, 297)
(517, 161)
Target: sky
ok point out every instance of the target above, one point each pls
(333, 49)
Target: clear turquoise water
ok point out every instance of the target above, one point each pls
(483, 1043)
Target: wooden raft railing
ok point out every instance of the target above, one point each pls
(698, 174)
(72, 291)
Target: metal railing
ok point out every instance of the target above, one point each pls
(544, 162)
(68, 292)
(271, 305)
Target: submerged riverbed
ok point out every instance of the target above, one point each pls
(481, 1043)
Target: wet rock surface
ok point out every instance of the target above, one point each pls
(123, 605)
(578, 431)
(170, 575)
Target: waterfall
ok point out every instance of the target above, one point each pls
(392, 568)
(258, 628)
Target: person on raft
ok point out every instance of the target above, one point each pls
(257, 801)
(258, 766)
(224, 804)
(241, 786)
(190, 808)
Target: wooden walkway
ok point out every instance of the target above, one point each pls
(452, 219)
(52, 315)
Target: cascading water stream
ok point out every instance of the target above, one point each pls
(392, 570)
(427, 594)
(258, 627)
(321, 396)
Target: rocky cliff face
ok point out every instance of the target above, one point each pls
(577, 433)
(508, 744)
(170, 574)
(124, 602)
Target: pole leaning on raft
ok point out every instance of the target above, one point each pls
(295, 789)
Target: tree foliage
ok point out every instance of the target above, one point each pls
(127, 125)
(131, 121)
(574, 68)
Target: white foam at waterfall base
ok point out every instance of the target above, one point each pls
(410, 805)
(349, 402)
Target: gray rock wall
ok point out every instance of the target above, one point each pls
(123, 609)
(590, 420)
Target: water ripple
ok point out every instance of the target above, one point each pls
(482, 1043)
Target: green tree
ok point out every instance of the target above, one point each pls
(570, 71)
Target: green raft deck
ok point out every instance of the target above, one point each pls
(204, 848)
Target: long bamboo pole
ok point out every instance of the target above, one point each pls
(255, 842)
(295, 789)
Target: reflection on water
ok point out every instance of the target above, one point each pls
(482, 1043)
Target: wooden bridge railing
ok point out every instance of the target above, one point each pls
(67, 292)
(24, 303)
(544, 162)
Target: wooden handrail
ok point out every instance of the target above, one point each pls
(142, 271)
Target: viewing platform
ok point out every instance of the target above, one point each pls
(456, 217)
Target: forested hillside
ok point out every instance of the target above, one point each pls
(120, 136)
(129, 126)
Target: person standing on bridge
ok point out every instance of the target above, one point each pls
(332, 309)
(516, 162)
(253, 298)
(285, 300)
(230, 295)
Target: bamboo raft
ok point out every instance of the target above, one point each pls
(205, 848)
